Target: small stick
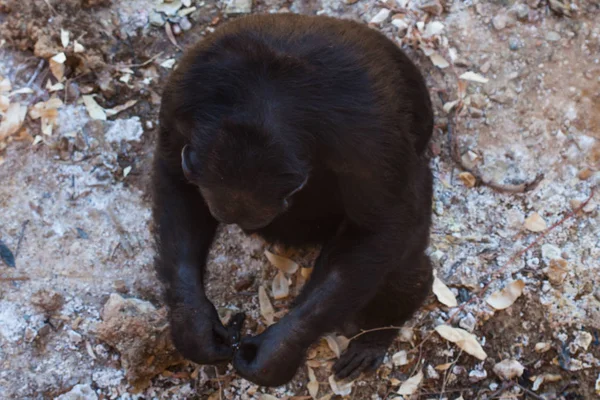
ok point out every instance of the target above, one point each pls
(148, 61)
(36, 73)
(21, 235)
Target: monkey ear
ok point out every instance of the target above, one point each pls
(186, 164)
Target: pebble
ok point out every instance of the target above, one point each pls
(522, 11)
(468, 323)
(542, 347)
(550, 252)
(513, 44)
(508, 369)
(477, 375)
(74, 337)
(499, 22)
(79, 392)
(176, 29)
(239, 7)
(552, 36)
(381, 16)
(156, 19)
(47, 300)
(400, 358)
(432, 373)
(399, 23)
(185, 24)
(169, 8)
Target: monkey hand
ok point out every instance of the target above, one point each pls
(198, 333)
(271, 358)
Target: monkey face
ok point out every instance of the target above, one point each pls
(251, 202)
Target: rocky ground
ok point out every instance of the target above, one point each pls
(516, 236)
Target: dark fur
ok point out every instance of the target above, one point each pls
(262, 104)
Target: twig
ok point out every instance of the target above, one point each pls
(15, 278)
(36, 73)
(382, 328)
(21, 235)
(148, 61)
(50, 6)
(529, 392)
(171, 36)
(445, 382)
(505, 386)
(219, 382)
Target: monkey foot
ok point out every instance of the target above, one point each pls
(360, 357)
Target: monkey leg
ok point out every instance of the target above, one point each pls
(404, 291)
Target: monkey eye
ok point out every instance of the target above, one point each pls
(186, 164)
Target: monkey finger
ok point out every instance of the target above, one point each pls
(221, 353)
(234, 327)
(221, 333)
(344, 366)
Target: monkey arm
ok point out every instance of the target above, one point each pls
(185, 231)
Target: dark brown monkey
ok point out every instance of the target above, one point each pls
(305, 130)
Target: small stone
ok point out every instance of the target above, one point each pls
(400, 23)
(552, 36)
(79, 392)
(380, 17)
(514, 43)
(170, 8)
(557, 271)
(550, 252)
(583, 340)
(508, 369)
(400, 358)
(432, 373)
(486, 67)
(477, 375)
(499, 22)
(535, 223)
(74, 337)
(542, 347)
(185, 24)
(47, 300)
(30, 335)
(468, 323)
(475, 112)
(120, 286)
(176, 29)
(432, 7)
(522, 12)
(156, 19)
(238, 7)
(478, 100)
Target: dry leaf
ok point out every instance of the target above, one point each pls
(450, 105)
(505, 298)
(306, 272)
(443, 293)
(4, 103)
(535, 223)
(12, 120)
(5, 85)
(463, 339)
(266, 309)
(54, 88)
(443, 367)
(340, 388)
(114, 111)
(333, 345)
(467, 179)
(433, 28)
(473, 77)
(313, 384)
(410, 386)
(93, 108)
(64, 38)
(281, 263)
(508, 369)
(438, 60)
(400, 358)
(280, 286)
(57, 66)
(47, 111)
(24, 90)
(78, 47)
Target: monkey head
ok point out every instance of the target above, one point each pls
(246, 176)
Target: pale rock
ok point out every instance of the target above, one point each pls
(508, 369)
(238, 7)
(79, 392)
(477, 375)
(169, 8)
(468, 322)
(542, 347)
(550, 252)
(432, 373)
(535, 223)
(500, 21)
(74, 337)
(552, 36)
(557, 271)
(582, 340)
(381, 16)
(400, 358)
(431, 6)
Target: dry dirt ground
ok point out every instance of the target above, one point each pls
(516, 154)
